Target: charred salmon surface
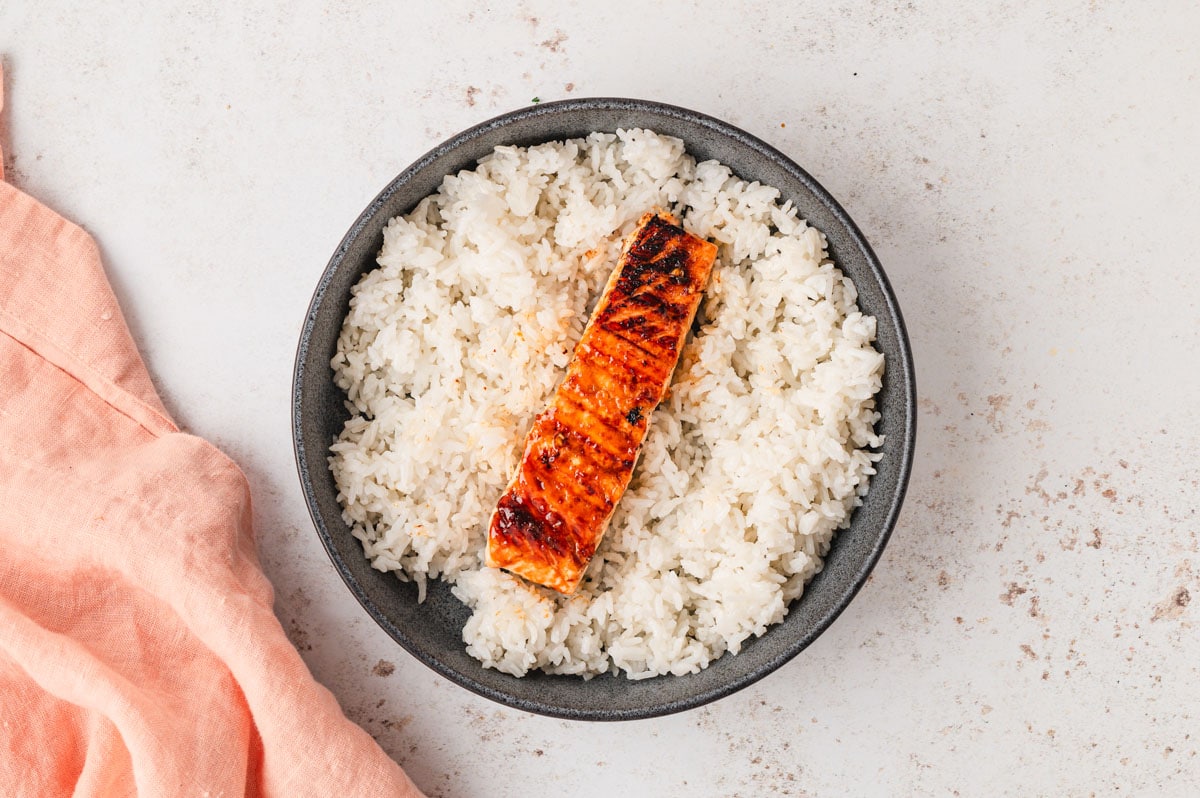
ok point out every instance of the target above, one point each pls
(580, 453)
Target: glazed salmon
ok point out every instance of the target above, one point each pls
(579, 455)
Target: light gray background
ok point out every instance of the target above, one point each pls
(1027, 173)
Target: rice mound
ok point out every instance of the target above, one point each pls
(759, 453)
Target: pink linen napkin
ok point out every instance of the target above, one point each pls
(138, 651)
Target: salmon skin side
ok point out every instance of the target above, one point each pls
(579, 455)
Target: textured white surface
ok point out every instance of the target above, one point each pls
(1028, 176)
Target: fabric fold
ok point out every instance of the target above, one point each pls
(139, 654)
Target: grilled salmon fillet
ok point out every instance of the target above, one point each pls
(580, 453)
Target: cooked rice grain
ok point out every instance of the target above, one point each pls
(760, 452)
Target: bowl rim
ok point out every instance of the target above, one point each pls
(907, 429)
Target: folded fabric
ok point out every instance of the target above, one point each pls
(138, 651)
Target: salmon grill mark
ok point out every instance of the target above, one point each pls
(605, 436)
(580, 453)
(540, 531)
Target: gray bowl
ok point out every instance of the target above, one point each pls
(432, 632)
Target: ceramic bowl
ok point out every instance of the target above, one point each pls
(432, 631)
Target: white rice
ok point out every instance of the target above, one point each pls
(760, 452)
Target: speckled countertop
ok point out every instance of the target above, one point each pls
(1028, 175)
